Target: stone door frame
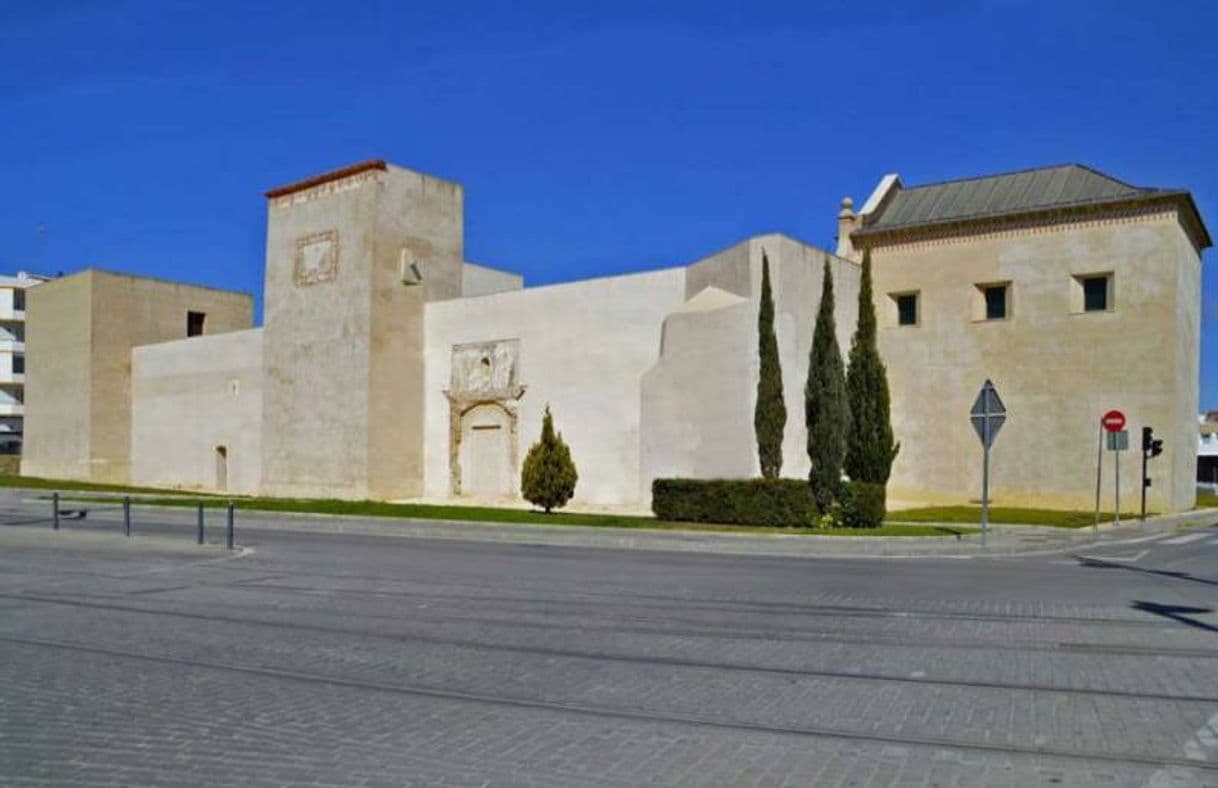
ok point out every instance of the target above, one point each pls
(461, 403)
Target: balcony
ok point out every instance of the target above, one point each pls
(8, 313)
(10, 345)
(12, 409)
(8, 377)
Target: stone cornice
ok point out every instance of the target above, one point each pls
(1177, 204)
(326, 177)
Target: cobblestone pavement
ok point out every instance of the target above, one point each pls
(359, 660)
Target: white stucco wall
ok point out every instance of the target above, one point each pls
(478, 280)
(699, 399)
(584, 347)
(696, 419)
(191, 396)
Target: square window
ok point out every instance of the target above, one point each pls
(907, 309)
(194, 323)
(1095, 293)
(995, 301)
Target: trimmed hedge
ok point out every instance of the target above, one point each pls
(767, 502)
(865, 505)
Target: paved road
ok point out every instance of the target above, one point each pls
(361, 660)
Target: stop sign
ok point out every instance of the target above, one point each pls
(1113, 421)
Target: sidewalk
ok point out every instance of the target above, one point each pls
(1003, 540)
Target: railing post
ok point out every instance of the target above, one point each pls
(127, 515)
(55, 511)
(199, 531)
(230, 535)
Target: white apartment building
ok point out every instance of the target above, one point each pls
(12, 358)
(1207, 451)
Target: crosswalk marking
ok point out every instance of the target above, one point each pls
(1185, 539)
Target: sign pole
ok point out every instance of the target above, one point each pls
(1099, 475)
(985, 494)
(1144, 482)
(1112, 422)
(987, 415)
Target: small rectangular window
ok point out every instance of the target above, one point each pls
(1095, 293)
(19, 300)
(18, 364)
(995, 302)
(194, 323)
(907, 309)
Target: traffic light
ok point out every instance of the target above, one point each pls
(1151, 446)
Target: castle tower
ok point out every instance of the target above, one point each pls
(352, 256)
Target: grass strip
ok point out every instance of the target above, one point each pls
(487, 514)
(38, 483)
(1056, 518)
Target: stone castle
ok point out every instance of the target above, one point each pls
(389, 367)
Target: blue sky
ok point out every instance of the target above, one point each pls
(591, 139)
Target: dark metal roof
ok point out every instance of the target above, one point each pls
(1026, 192)
(995, 195)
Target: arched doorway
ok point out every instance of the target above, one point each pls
(486, 452)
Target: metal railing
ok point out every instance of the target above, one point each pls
(60, 513)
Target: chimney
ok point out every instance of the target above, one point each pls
(847, 222)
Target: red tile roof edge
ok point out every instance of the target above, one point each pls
(326, 177)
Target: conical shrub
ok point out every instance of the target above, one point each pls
(548, 477)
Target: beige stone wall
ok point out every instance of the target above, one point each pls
(342, 407)
(90, 438)
(316, 330)
(420, 217)
(1057, 368)
(1180, 438)
(57, 379)
(190, 397)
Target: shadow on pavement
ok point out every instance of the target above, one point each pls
(1178, 613)
(1099, 563)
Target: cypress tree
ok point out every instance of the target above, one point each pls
(770, 413)
(827, 408)
(871, 449)
(548, 477)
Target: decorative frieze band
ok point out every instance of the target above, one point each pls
(1014, 227)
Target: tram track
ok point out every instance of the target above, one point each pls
(604, 712)
(622, 658)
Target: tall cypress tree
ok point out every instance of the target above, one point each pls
(827, 408)
(871, 449)
(770, 413)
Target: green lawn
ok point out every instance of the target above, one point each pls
(34, 482)
(486, 514)
(1206, 500)
(999, 515)
(928, 521)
